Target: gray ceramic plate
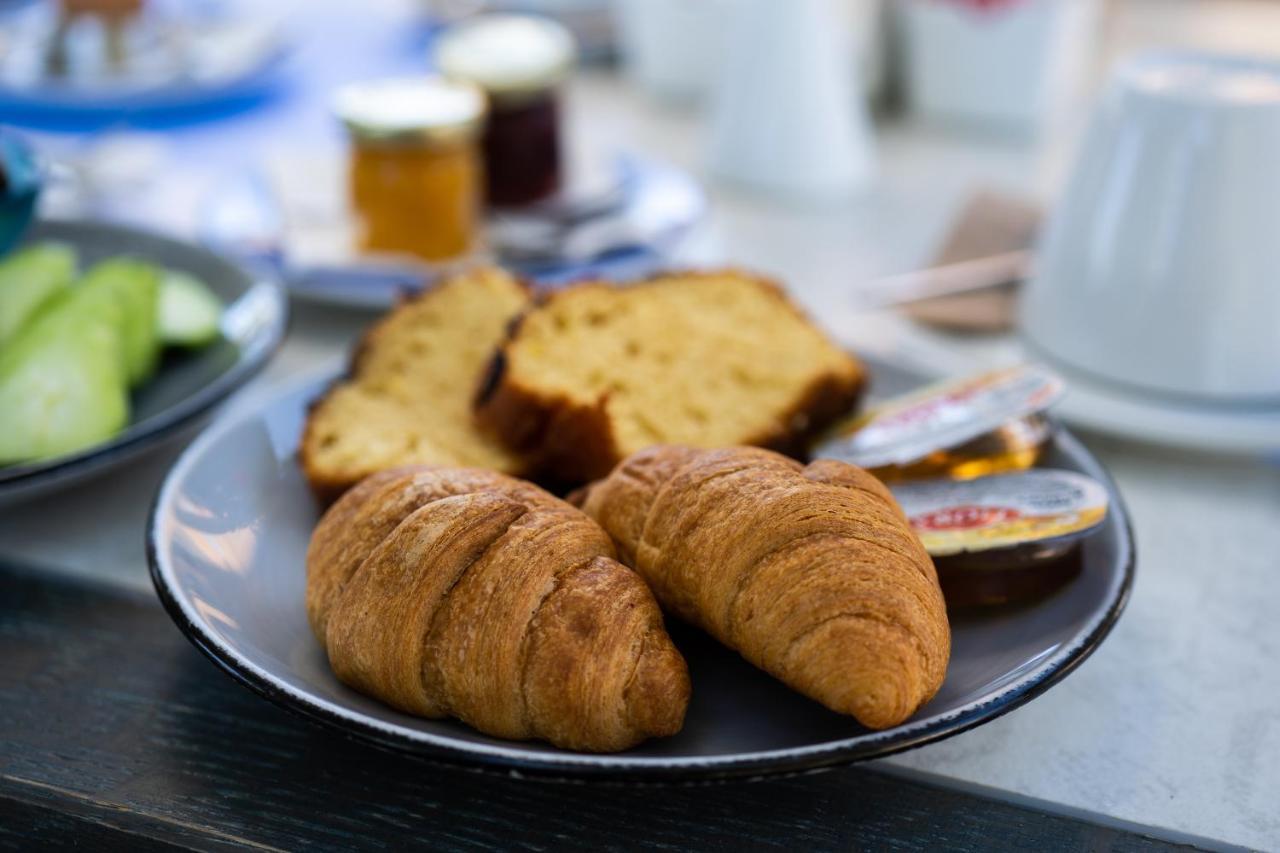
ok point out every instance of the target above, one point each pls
(227, 540)
(188, 384)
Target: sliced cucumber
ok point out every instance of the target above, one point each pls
(135, 286)
(62, 384)
(29, 278)
(190, 313)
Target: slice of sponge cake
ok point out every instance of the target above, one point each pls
(596, 372)
(408, 397)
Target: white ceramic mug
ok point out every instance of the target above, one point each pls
(1160, 268)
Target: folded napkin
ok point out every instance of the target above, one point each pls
(990, 223)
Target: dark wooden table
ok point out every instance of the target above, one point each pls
(118, 734)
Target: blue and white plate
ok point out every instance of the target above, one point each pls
(178, 58)
(653, 206)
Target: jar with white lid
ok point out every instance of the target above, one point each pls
(521, 62)
(415, 174)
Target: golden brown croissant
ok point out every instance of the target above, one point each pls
(465, 593)
(811, 573)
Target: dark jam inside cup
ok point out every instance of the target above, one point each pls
(1008, 575)
(521, 146)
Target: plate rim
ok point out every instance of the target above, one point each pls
(128, 441)
(515, 760)
(1100, 406)
(387, 281)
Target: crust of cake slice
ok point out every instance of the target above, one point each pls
(570, 441)
(352, 408)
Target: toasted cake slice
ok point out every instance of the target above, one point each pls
(596, 372)
(408, 396)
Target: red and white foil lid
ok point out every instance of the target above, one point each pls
(905, 429)
(1002, 511)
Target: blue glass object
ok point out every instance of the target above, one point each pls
(19, 186)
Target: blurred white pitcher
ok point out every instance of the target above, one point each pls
(670, 48)
(788, 116)
(1161, 265)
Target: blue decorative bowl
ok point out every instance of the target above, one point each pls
(19, 186)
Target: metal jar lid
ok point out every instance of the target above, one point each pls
(507, 55)
(411, 110)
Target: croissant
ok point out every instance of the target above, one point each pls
(466, 593)
(810, 572)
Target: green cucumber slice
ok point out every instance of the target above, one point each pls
(190, 313)
(29, 278)
(62, 386)
(135, 286)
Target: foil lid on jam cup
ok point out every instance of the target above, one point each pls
(904, 430)
(1042, 510)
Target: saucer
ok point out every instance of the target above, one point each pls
(621, 225)
(1089, 403)
(1092, 405)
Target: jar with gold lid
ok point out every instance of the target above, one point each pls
(416, 177)
(520, 61)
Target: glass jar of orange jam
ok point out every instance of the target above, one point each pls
(415, 181)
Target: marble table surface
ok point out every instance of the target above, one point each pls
(1174, 722)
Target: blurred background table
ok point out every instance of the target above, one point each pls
(1173, 723)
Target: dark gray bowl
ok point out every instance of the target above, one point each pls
(227, 541)
(188, 384)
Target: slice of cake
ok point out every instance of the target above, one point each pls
(596, 372)
(408, 396)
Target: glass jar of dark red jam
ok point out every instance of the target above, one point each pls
(521, 144)
(520, 61)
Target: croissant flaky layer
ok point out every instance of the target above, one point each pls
(465, 593)
(811, 572)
